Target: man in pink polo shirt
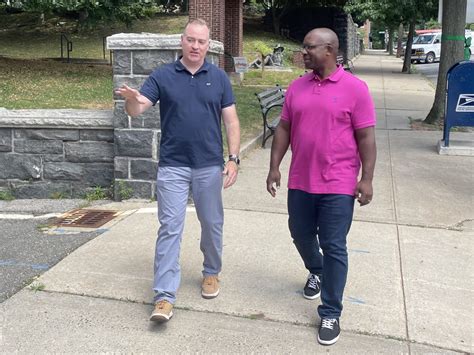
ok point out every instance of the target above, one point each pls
(328, 118)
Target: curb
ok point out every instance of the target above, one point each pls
(250, 145)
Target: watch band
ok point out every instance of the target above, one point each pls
(234, 158)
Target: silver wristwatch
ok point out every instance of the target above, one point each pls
(234, 158)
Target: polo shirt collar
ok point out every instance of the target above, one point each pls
(180, 67)
(334, 77)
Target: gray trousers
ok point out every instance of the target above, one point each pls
(173, 185)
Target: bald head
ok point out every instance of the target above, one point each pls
(325, 35)
(320, 49)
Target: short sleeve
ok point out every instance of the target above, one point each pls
(150, 88)
(363, 114)
(228, 98)
(286, 110)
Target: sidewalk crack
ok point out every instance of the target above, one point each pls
(392, 175)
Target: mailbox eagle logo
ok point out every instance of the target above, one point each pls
(465, 103)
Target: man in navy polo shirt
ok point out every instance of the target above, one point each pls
(193, 96)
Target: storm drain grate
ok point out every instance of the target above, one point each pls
(85, 218)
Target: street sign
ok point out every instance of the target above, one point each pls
(459, 98)
(240, 64)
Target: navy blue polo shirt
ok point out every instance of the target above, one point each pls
(190, 110)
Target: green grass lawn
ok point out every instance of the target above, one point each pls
(25, 38)
(22, 36)
(252, 35)
(50, 84)
(26, 82)
(271, 78)
(248, 110)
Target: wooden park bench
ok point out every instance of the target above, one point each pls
(270, 99)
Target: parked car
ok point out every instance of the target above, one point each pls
(426, 47)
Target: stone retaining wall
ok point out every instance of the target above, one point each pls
(66, 153)
(348, 38)
(55, 153)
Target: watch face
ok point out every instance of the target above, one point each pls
(234, 158)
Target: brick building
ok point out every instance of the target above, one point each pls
(225, 20)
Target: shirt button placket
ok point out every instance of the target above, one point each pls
(317, 88)
(192, 81)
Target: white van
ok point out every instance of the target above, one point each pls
(426, 47)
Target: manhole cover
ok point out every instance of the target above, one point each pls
(85, 218)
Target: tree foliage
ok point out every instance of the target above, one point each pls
(94, 12)
(391, 13)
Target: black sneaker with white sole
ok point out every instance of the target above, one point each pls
(329, 331)
(312, 289)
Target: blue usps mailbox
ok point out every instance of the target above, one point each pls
(460, 97)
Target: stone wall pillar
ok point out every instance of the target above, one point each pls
(367, 30)
(353, 43)
(348, 38)
(136, 140)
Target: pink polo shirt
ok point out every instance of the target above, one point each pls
(323, 116)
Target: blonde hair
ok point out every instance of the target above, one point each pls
(196, 21)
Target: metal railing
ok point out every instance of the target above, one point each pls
(104, 49)
(66, 49)
(65, 42)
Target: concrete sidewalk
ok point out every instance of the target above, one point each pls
(410, 287)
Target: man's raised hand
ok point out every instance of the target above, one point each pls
(130, 94)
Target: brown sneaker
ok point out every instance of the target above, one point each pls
(163, 312)
(210, 287)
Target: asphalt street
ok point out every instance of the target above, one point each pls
(25, 250)
(431, 71)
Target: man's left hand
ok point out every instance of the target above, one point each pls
(231, 169)
(364, 192)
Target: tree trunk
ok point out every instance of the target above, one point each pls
(276, 17)
(276, 22)
(452, 51)
(401, 31)
(407, 62)
(184, 6)
(83, 15)
(390, 41)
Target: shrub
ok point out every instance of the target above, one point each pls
(262, 48)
